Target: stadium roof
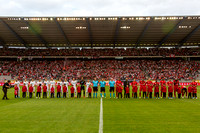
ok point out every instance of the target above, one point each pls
(100, 31)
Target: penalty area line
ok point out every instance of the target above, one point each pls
(101, 117)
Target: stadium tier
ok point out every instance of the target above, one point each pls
(139, 69)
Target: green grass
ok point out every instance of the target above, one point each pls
(82, 115)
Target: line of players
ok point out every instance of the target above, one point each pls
(145, 88)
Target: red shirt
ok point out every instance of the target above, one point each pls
(30, 89)
(24, 89)
(89, 90)
(190, 89)
(162, 83)
(144, 89)
(79, 89)
(176, 83)
(58, 88)
(127, 90)
(45, 88)
(179, 90)
(72, 89)
(156, 89)
(194, 84)
(65, 89)
(16, 88)
(39, 89)
(120, 90)
(150, 86)
(118, 83)
(164, 89)
(52, 89)
(142, 83)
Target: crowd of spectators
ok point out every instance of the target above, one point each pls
(139, 69)
(100, 52)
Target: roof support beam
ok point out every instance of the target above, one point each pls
(63, 32)
(188, 36)
(15, 34)
(37, 34)
(89, 31)
(170, 32)
(143, 32)
(116, 32)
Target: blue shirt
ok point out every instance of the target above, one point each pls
(102, 83)
(95, 83)
(111, 83)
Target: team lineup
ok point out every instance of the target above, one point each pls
(146, 89)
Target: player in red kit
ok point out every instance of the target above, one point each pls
(30, 91)
(184, 91)
(44, 91)
(149, 84)
(120, 91)
(64, 91)
(118, 87)
(170, 85)
(162, 84)
(52, 91)
(179, 91)
(16, 91)
(58, 90)
(176, 84)
(190, 89)
(134, 89)
(79, 91)
(89, 92)
(24, 91)
(194, 88)
(39, 89)
(156, 90)
(72, 91)
(142, 86)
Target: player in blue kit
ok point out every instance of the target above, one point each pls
(112, 87)
(95, 87)
(102, 85)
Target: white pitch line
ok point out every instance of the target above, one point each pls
(101, 117)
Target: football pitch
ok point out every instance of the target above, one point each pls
(72, 115)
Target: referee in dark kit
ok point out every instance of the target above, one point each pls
(5, 87)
